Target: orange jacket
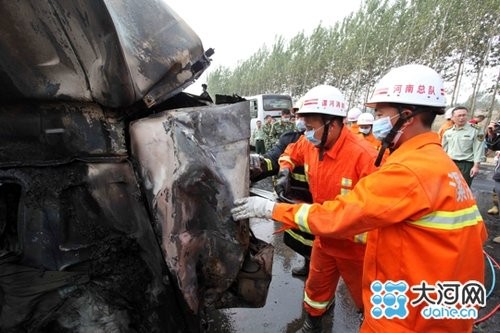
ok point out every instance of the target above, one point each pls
(446, 125)
(372, 140)
(354, 127)
(424, 222)
(342, 166)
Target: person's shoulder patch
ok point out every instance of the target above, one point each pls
(480, 137)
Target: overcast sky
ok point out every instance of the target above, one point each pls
(236, 29)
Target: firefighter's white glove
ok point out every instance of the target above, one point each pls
(248, 207)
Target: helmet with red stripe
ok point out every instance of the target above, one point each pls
(324, 99)
(410, 84)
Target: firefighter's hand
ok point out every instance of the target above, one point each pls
(248, 207)
(256, 162)
(282, 182)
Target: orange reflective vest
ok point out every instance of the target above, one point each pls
(341, 168)
(424, 222)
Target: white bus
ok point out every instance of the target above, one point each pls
(267, 104)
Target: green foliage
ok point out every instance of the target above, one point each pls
(455, 37)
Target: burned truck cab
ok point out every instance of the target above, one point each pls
(115, 186)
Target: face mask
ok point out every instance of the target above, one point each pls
(365, 131)
(300, 125)
(286, 119)
(381, 127)
(310, 136)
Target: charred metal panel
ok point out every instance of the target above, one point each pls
(85, 243)
(112, 52)
(193, 163)
(90, 241)
(77, 248)
(56, 133)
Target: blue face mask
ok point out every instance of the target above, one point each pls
(310, 136)
(381, 127)
(300, 125)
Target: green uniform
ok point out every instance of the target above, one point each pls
(280, 127)
(268, 142)
(465, 147)
(258, 139)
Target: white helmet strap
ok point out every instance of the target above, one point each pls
(326, 129)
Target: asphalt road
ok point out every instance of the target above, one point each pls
(283, 311)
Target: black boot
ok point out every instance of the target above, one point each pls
(311, 325)
(302, 271)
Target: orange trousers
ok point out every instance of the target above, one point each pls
(324, 273)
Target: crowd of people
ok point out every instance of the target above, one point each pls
(389, 206)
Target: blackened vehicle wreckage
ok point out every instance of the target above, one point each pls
(115, 186)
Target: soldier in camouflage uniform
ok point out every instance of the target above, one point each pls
(282, 126)
(268, 124)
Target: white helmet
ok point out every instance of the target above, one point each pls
(324, 99)
(449, 113)
(410, 84)
(365, 119)
(353, 114)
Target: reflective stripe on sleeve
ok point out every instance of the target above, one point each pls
(301, 217)
(451, 220)
(299, 177)
(269, 164)
(286, 159)
(299, 238)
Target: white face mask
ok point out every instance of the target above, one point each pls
(365, 131)
(300, 125)
(381, 127)
(311, 138)
(398, 134)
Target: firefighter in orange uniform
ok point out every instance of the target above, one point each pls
(334, 159)
(365, 123)
(351, 120)
(425, 230)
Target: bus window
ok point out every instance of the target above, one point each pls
(273, 102)
(253, 108)
(267, 104)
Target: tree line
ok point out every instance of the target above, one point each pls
(460, 39)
